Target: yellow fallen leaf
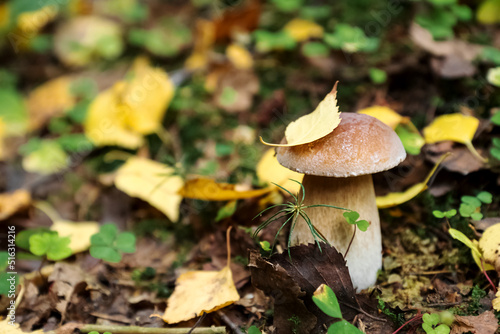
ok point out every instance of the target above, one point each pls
(489, 244)
(79, 232)
(385, 115)
(393, 199)
(271, 171)
(455, 127)
(11, 203)
(302, 30)
(496, 301)
(51, 99)
(32, 22)
(239, 56)
(198, 292)
(14, 328)
(209, 190)
(152, 182)
(130, 109)
(323, 120)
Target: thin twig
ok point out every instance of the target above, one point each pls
(362, 311)
(150, 330)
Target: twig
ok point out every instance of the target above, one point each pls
(417, 317)
(203, 316)
(363, 311)
(229, 322)
(150, 330)
(350, 242)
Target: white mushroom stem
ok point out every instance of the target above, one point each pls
(364, 258)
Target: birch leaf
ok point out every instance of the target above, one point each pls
(152, 182)
(323, 120)
(271, 171)
(209, 190)
(455, 127)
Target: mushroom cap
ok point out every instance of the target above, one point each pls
(360, 145)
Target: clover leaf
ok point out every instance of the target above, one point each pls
(441, 214)
(51, 245)
(352, 218)
(109, 245)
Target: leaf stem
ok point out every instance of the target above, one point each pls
(350, 242)
(417, 317)
(474, 152)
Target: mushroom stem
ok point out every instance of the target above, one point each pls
(364, 258)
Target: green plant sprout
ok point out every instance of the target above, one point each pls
(294, 210)
(352, 218)
(326, 300)
(437, 323)
(108, 244)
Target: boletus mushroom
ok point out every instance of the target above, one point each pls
(338, 170)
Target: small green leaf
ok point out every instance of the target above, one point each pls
(466, 210)
(446, 317)
(485, 197)
(442, 329)
(23, 237)
(477, 216)
(315, 49)
(326, 300)
(343, 327)
(496, 142)
(456, 234)
(226, 211)
(363, 225)
(438, 214)
(265, 245)
(428, 328)
(254, 330)
(473, 201)
(431, 319)
(105, 253)
(51, 245)
(495, 152)
(377, 76)
(351, 216)
(5, 282)
(125, 242)
(496, 118)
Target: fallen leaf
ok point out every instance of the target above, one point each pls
(206, 291)
(396, 198)
(490, 245)
(130, 109)
(81, 40)
(11, 203)
(51, 99)
(48, 158)
(496, 301)
(485, 323)
(33, 21)
(209, 190)
(6, 328)
(239, 56)
(461, 159)
(322, 121)
(271, 171)
(78, 232)
(455, 127)
(385, 115)
(152, 182)
(302, 30)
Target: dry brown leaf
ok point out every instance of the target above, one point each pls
(485, 323)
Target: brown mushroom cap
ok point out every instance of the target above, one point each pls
(360, 145)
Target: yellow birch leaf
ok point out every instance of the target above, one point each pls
(11, 203)
(32, 22)
(271, 171)
(51, 99)
(323, 120)
(209, 190)
(79, 233)
(124, 113)
(489, 244)
(455, 127)
(393, 199)
(496, 301)
(199, 292)
(302, 30)
(385, 115)
(152, 182)
(239, 56)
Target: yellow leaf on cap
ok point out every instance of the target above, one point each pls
(79, 233)
(130, 109)
(271, 171)
(152, 182)
(393, 199)
(323, 120)
(490, 245)
(302, 30)
(11, 203)
(455, 127)
(239, 56)
(384, 114)
(209, 190)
